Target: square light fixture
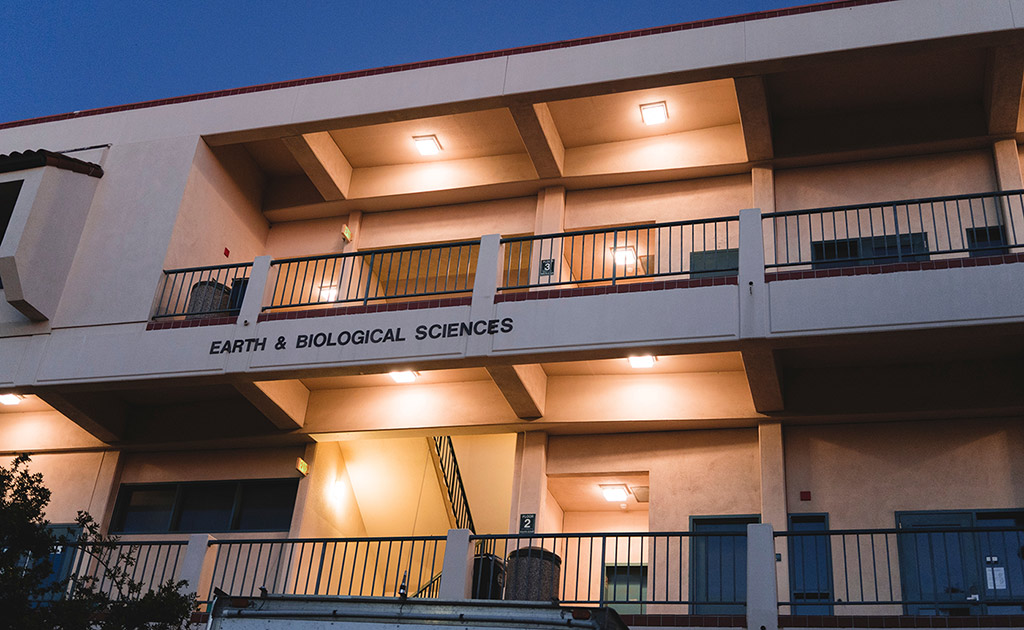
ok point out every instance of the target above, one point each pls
(10, 399)
(427, 145)
(624, 256)
(614, 493)
(404, 376)
(654, 113)
(641, 362)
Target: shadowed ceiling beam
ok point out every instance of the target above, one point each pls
(523, 386)
(282, 402)
(324, 163)
(754, 118)
(1003, 81)
(541, 138)
(764, 376)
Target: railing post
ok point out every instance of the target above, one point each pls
(195, 568)
(762, 591)
(457, 570)
(252, 303)
(753, 294)
(485, 287)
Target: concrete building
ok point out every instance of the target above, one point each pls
(672, 283)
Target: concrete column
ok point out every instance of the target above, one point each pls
(1008, 176)
(457, 570)
(550, 219)
(255, 291)
(530, 485)
(197, 566)
(774, 508)
(485, 287)
(753, 290)
(762, 599)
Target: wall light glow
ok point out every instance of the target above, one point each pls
(328, 293)
(641, 362)
(405, 376)
(624, 256)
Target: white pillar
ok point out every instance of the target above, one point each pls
(195, 568)
(762, 596)
(457, 570)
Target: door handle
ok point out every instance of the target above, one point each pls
(973, 598)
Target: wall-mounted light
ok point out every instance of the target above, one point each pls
(624, 256)
(614, 493)
(654, 113)
(427, 145)
(404, 376)
(328, 293)
(641, 362)
(11, 399)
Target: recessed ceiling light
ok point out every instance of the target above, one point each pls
(624, 256)
(10, 399)
(654, 113)
(616, 493)
(427, 145)
(641, 362)
(405, 376)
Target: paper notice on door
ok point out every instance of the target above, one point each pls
(990, 581)
(999, 573)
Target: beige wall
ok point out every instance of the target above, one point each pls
(277, 463)
(216, 213)
(447, 223)
(885, 180)
(76, 482)
(486, 463)
(670, 201)
(326, 504)
(293, 239)
(860, 474)
(691, 473)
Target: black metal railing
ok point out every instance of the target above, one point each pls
(361, 567)
(910, 230)
(681, 572)
(453, 482)
(382, 274)
(95, 566)
(919, 571)
(202, 291)
(699, 248)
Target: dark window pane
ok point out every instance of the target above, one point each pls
(267, 505)
(720, 262)
(986, 241)
(147, 509)
(206, 507)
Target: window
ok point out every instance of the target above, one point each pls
(625, 588)
(206, 506)
(986, 241)
(870, 250)
(718, 262)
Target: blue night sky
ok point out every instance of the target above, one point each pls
(62, 56)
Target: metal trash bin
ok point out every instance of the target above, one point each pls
(532, 574)
(488, 576)
(207, 298)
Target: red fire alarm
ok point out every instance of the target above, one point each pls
(227, 252)
(805, 495)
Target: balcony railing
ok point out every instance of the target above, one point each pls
(911, 230)
(701, 248)
(357, 567)
(383, 274)
(148, 564)
(202, 291)
(921, 571)
(676, 572)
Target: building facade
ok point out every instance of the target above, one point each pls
(758, 270)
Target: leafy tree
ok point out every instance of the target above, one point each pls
(31, 599)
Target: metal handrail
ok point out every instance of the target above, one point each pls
(897, 202)
(200, 292)
(357, 276)
(453, 482)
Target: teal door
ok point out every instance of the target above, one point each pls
(718, 565)
(810, 565)
(973, 564)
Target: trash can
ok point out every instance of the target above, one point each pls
(532, 575)
(488, 576)
(207, 299)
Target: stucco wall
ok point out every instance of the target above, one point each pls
(326, 503)
(277, 463)
(860, 474)
(75, 481)
(691, 473)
